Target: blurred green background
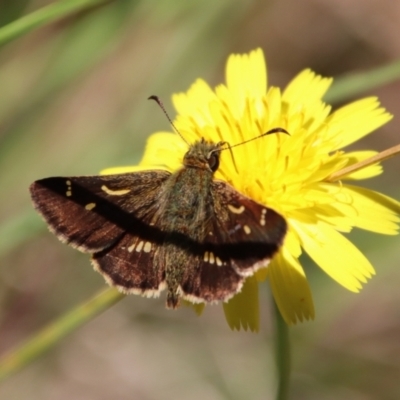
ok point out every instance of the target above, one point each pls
(73, 101)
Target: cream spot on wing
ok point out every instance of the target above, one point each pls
(236, 210)
(147, 247)
(139, 247)
(211, 259)
(206, 256)
(263, 214)
(111, 192)
(68, 193)
(218, 260)
(247, 229)
(90, 206)
(131, 247)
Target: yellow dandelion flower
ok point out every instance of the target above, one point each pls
(290, 174)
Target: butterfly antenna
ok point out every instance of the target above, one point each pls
(274, 130)
(161, 105)
(229, 147)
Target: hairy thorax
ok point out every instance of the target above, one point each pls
(188, 203)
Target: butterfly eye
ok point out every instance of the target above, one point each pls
(213, 161)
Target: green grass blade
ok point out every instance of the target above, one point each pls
(44, 16)
(357, 83)
(27, 352)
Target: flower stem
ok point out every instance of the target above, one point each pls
(383, 155)
(282, 355)
(23, 355)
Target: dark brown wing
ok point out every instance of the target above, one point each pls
(206, 281)
(91, 213)
(129, 265)
(245, 232)
(111, 216)
(243, 237)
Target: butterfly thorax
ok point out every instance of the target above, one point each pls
(186, 198)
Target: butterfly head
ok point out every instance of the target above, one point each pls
(204, 155)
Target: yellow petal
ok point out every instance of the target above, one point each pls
(355, 120)
(164, 149)
(357, 156)
(292, 243)
(336, 255)
(242, 311)
(306, 88)
(273, 109)
(352, 206)
(246, 75)
(290, 288)
(194, 103)
(375, 211)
